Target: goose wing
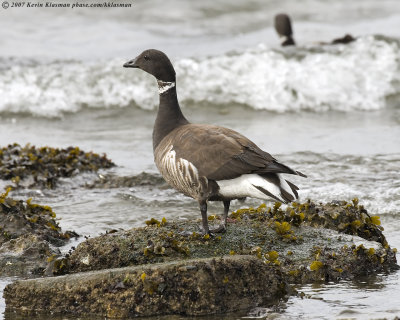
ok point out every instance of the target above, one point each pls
(220, 153)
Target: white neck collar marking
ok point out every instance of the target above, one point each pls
(164, 86)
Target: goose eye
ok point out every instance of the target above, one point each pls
(146, 58)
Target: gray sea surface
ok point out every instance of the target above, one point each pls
(332, 112)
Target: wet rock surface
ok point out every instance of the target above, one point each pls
(332, 236)
(191, 287)
(29, 233)
(106, 181)
(29, 166)
(29, 237)
(301, 243)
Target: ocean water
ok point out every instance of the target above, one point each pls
(332, 112)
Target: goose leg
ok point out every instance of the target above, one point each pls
(203, 210)
(222, 227)
(226, 211)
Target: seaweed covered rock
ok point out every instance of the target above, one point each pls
(342, 216)
(29, 236)
(167, 267)
(191, 287)
(42, 167)
(294, 238)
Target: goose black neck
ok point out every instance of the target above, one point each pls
(169, 116)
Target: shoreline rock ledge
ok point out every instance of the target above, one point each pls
(167, 267)
(196, 287)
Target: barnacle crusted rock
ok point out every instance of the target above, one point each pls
(144, 268)
(191, 287)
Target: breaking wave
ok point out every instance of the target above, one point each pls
(358, 76)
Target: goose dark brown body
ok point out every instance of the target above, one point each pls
(208, 162)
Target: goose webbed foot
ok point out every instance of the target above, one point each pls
(220, 229)
(186, 233)
(205, 228)
(210, 233)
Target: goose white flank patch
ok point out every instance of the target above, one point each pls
(208, 162)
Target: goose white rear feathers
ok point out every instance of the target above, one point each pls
(207, 162)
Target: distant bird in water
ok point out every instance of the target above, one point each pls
(344, 40)
(283, 27)
(208, 162)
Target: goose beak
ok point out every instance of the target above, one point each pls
(131, 64)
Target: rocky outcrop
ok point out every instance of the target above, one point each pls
(192, 287)
(29, 237)
(28, 166)
(167, 267)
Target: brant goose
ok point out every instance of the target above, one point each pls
(344, 40)
(283, 27)
(208, 162)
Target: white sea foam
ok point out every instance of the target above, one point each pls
(372, 179)
(57, 87)
(356, 76)
(359, 76)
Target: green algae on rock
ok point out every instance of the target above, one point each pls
(299, 228)
(30, 166)
(190, 287)
(29, 235)
(350, 218)
(301, 243)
